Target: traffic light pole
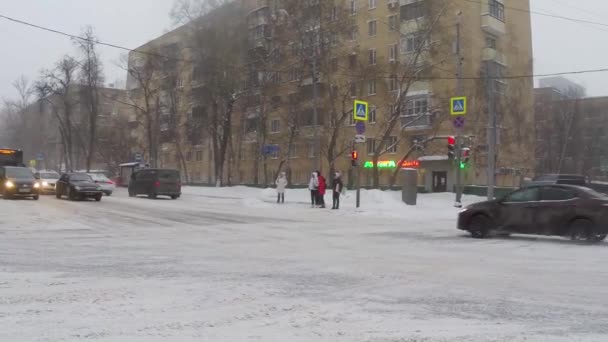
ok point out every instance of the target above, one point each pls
(458, 202)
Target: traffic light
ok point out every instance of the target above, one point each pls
(465, 156)
(354, 155)
(451, 148)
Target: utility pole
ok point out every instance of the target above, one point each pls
(315, 118)
(490, 81)
(458, 202)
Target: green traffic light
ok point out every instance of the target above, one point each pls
(463, 165)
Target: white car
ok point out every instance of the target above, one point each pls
(107, 186)
(47, 180)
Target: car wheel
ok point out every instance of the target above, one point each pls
(131, 193)
(6, 195)
(108, 193)
(581, 229)
(479, 226)
(98, 198)
(152, 196)
(174, 197)
(37, 197)
(57, 194)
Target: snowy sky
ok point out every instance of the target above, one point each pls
(559, 45)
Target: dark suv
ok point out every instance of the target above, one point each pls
(18, 182)
(156, 182)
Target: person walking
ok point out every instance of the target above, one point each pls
(337, 187)
(281, 183)
(313, 186)
(321, 192)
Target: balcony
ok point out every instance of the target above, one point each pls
(489, 54)
(492, 25)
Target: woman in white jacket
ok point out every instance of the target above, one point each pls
(281, 183)
(313, 186)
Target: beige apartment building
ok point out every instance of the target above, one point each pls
(398, 55)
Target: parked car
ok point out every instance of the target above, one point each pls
(558, 179)
(155, 182)
(47, 179)
(559, 210)
(18, 182)
(78, 186)
(107, 185)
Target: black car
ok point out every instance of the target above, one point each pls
(559, 210)
(18, 182)
(559, 179)
(155, 182)
(78, 186)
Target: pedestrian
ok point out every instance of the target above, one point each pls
(321, 192)
(281, 183)
(337, 187)
(313, 186)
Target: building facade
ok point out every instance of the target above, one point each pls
(305, 63)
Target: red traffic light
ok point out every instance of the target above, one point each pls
(451, 141)
(354, 155)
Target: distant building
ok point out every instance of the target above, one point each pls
(570, 134)
(565, 86)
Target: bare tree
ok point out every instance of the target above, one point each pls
(91, 79)
(215, 42)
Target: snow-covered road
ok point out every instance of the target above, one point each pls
(230, 265)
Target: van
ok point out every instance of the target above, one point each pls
(155, 182)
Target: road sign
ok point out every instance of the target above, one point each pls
(459, 122)
(360, 110)
(32, 163)
(458, 105)
(40, 156)
(137, 157)
(360, 127)
(359, 139)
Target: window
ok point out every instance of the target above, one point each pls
(524, 195)
(497, 9)
(372, 56)
(413, 11)
(334, 13)
(353, 89)
(372, 4)
(274, 153)
(392, 23)
(353, 33)
(371, 87)
(392, 52)
(553, 193)
(490, 41)
(393, 83)
(413, 42)
(352, 61)
(372, 27)
(372, 115)
(353, 7)
(415, 115)
(199, 155)
(188, 156)
(311, 150)
(371, 146)
(275, 126)
(293, 151)
(391, 145)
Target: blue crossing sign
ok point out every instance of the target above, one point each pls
(458, 105)
(360, 110)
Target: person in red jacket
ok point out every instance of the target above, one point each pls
(322, 187)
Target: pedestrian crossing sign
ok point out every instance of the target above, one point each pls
(458, 105)
(360, 110)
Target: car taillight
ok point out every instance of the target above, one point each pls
(157, 184)
(110, 182)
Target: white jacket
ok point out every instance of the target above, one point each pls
(281, 184)
(313, 184)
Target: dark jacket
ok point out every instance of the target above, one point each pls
(337, 185)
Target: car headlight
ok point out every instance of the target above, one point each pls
(77, 188)
(9, 184)
(45, 184)
(36, 185)
(464, 210)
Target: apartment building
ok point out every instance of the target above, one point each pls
(306, 62)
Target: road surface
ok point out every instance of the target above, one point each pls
(230, 265)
